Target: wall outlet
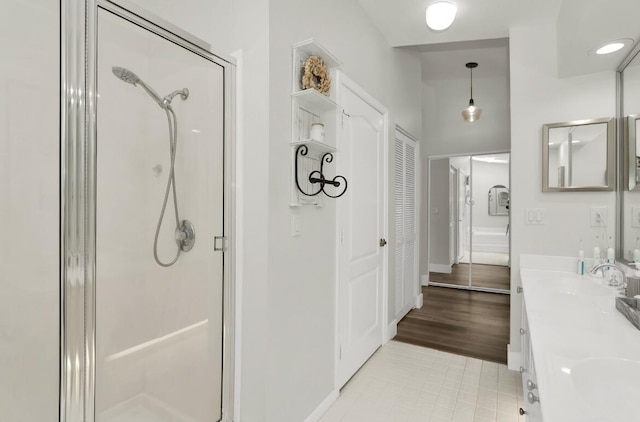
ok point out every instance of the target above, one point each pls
(534, 216)
(599, 216)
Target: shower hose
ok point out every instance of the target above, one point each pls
(171, 182)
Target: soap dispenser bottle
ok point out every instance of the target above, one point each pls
(611, 253)
(580, 259)
(636, 252)
(596, 252)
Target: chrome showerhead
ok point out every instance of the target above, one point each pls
(126, 75)
(131, 78)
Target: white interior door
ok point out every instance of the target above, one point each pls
(361, 217)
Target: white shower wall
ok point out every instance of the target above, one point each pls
(29, 210)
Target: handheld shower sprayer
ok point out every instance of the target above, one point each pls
(185, 236)
(129, 77)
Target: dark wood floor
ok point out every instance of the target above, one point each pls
(482, 275)
(467, 323)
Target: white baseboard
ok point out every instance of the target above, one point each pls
(419, 301)
(514, 359)
(424, 280)
(392, 330)
(323, 407)
(440, 268)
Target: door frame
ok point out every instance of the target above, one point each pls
(342, 81)
(78, 158)
(428, 222)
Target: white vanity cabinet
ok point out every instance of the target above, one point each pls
(580, 356)
(528, 371)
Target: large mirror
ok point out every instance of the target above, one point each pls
(468, 246)
(579, 156)
(629, 213)
(632, 163)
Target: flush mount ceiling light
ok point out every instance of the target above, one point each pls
(440, 15)
(611, 46)
(471, 113)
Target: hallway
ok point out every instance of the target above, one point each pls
(474, 324)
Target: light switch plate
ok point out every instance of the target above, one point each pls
(534, 216)
(296, 229)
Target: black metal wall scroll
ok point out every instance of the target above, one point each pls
(318, 176)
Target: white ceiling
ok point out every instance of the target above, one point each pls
(442, 64)
(582, 25)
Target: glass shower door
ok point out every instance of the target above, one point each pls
(159, 324)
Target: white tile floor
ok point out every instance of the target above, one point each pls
(406, 383)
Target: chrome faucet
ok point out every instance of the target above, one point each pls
(621, 286)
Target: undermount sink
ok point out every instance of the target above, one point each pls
(610, 386)
(581, 287)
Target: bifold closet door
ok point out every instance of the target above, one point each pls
(158, 329)
(406, 245)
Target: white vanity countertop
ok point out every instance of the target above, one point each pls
(586, 353)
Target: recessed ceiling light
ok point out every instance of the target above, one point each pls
(612, 46)
(440, 15)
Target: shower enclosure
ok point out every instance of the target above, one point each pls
(147, 312)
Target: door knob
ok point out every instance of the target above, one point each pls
(383, 242)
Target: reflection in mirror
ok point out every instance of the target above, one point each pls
(579, 155)
(490, 230)
(468, 247)
(499, 200)
(632, 124)
(629, 217)
(450, 205)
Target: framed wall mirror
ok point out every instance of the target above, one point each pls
(498, 200)
(579, 156)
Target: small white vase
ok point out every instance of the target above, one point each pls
(317, 132)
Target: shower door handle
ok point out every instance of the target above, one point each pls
(219, 243)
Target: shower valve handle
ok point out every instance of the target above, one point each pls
(180, 235)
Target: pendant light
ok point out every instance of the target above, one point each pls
(471, 113)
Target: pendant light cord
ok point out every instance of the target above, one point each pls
(471, 93)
